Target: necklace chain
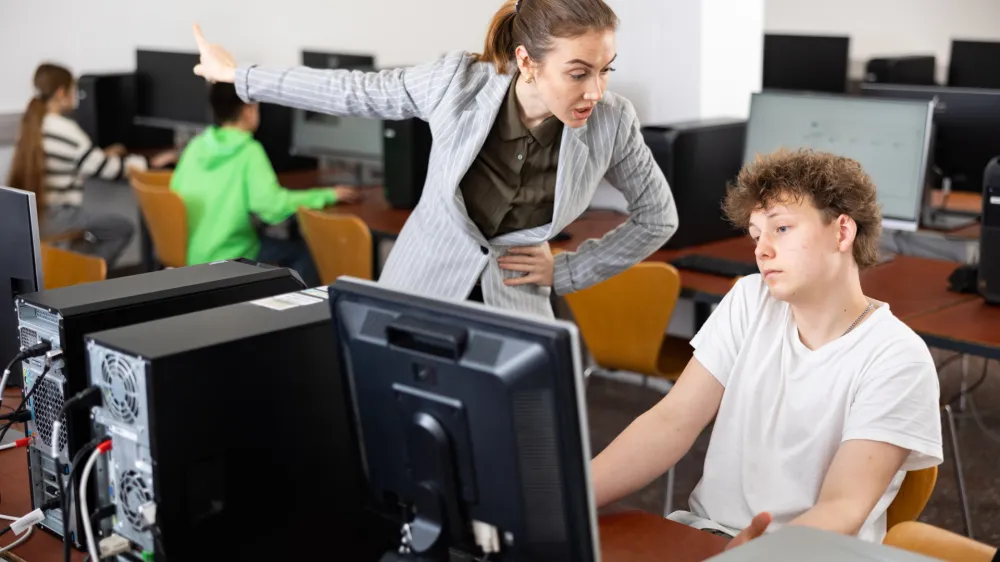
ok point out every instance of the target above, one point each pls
(855, 323)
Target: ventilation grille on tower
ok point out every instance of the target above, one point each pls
(47, 404)
(29, 338)
(121, 387)
(133, 493)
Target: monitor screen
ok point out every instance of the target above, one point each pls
(469, 415)
(806, 63)
(168, 89)
(889, 138)
(20, 268)
(974, 64)
(320, 134)
(966, 122)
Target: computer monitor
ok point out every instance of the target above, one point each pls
(356, 141)
(805, 63)
(967, 129)
(169, 94)
(20, 268)
(974, 64)
(889, 138)
(472, 418)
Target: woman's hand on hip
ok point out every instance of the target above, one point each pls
(217, 65)
(535, 262)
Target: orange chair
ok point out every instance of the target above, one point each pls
(151, 178)
(623, 321)
(340, 244)
(63, 268)
(912, 497)
(166, 218)
(932, 541)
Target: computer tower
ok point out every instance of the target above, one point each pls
(238, 426)
(64, 316)
(107, 110)
(275, 135)
(915, 70)
(989, 242)
(699, 160)
(406, 151)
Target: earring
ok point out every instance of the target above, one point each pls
(529, 80)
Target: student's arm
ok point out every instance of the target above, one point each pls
(858, 476)
(273, 203)
(652, 215)
(656, 440)
(94, 162)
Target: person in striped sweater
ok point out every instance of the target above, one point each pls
(54, 155)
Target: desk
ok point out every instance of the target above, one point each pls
(972, 327)
(632, 536)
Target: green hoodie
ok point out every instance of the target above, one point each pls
(223, 177)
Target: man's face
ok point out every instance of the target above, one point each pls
(798, 252)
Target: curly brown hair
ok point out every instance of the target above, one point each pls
(834, 184)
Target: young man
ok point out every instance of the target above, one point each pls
(822, 398)
(225, 177)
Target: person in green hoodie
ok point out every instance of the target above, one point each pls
(225, 179)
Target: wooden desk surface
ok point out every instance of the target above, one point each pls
(632, 536)
(970, 327)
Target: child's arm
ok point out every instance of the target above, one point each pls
(273, 203)
(94, 162)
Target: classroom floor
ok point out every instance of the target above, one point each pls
(613, 405)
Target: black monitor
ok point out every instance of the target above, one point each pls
(806, 63)
(974, 64)
(20, 268)
(355, 143)
(168, 92)
(470, 418)
(967, 129)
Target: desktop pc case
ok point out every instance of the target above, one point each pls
(989, 243)
(236, 424)
(107, 110)
(699, 159)
(64, 316)
(917, 70)
(406, 152)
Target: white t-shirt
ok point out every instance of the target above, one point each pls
(786, 409)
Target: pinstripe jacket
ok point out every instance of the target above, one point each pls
(440, 252)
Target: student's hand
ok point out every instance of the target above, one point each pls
(534, 261)
(756, 528)
(163, 159)
(116, 149)
(217, 65)
(347, 194)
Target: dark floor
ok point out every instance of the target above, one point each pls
(613, 405)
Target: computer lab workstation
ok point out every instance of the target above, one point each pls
(155, 422)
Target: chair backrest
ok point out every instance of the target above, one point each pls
(63, 268)
(912, 497)
(152, 178)
(935, 542)
(623, 320)
(166, 218)
(340, 244)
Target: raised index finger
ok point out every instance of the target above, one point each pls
(199, 37)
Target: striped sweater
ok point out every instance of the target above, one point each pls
(70, 156)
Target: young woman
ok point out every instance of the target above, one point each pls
(523, 134)
(54, 155)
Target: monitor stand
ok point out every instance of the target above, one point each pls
(945, 220)
(340, 171)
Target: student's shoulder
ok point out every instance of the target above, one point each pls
(59, 126)
(895, 349)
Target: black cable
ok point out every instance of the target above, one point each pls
(36, 350)
(975, 385)
(24, 401)
(68, 495)
(5, 530)
(17, 417)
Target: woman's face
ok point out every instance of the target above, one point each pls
(573, 76)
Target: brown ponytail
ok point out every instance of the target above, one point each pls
(533, 23)
(27, 171)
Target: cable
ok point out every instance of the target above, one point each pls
(49, 359)
(30, 352)
(975, 385)
(18, 542)
(66, 492)
(84, 479)
(22, 442)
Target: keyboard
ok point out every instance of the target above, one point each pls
(714, 266)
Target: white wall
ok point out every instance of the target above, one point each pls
(889, 27)
(103, 35)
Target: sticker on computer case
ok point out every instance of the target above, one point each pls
(286, 301)
(994, 200)
(318, 292)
